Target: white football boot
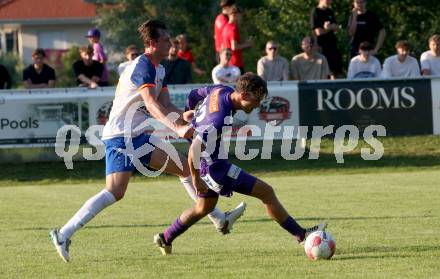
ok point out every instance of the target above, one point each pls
(231, 217)
(62, 247)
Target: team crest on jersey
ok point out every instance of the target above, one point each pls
(213, 102)
(275, 108)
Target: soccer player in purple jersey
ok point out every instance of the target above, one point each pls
(141, 83)
(215, 175)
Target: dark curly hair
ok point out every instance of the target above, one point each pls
(252, 84)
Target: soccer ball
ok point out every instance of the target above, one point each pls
(320, 245)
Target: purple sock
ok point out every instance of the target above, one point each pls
(173, 231)
(293, 228)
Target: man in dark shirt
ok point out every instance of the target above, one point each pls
(324, 26)
(39, 74)
(88, 71)
(364, 26)
(5, 78)
(177, 70)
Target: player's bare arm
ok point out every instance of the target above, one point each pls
(160, 112)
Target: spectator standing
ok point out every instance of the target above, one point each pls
(273, 67)
(364, 26)
(38, 74)
(224, 72)
(186, 54)
(401, 64)
(177, 70)
(94, 36)
(88, 71)
(220, 21)
(131, 52)
(324, 27)
(364, 65)
(5, 78)
(231, 37)
(309, 65)
(430, 59)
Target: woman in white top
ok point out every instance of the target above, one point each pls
(223, 72)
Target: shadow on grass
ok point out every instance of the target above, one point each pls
(254, 220)
(95, 170)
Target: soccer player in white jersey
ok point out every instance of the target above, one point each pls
(129, 147)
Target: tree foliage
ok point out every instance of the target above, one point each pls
(285, 21)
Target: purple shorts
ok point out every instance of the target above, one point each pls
(224, 178)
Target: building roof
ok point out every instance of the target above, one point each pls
(17, 11)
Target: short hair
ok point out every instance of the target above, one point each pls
(130, 48)
(435, 38)
(226, 3)
(40, 52)
(365, 46)
(403, 44)
(235, 10)
(150, 30)
(87, 49)
(252, 84)
(311, 39)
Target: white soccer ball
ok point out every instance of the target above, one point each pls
(320, 245)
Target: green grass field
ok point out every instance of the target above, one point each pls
(385, 216)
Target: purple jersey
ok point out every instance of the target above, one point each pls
(199, 94)
(211, 120)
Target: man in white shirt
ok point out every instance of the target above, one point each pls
(273, 67)
(309, 65)
(401, 64)
(364, 65)
(430, 60)
(224, 72)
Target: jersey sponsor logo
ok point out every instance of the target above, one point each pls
(275, 108)
(213, 102)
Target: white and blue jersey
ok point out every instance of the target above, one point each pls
(139, 74)
(119, 130)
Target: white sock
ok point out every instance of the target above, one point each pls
(86, 213)
(216, 216)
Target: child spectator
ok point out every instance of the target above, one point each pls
(94, 36)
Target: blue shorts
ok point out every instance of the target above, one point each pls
(224, 178)
(118, 161)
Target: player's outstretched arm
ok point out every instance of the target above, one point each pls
(160, 112)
